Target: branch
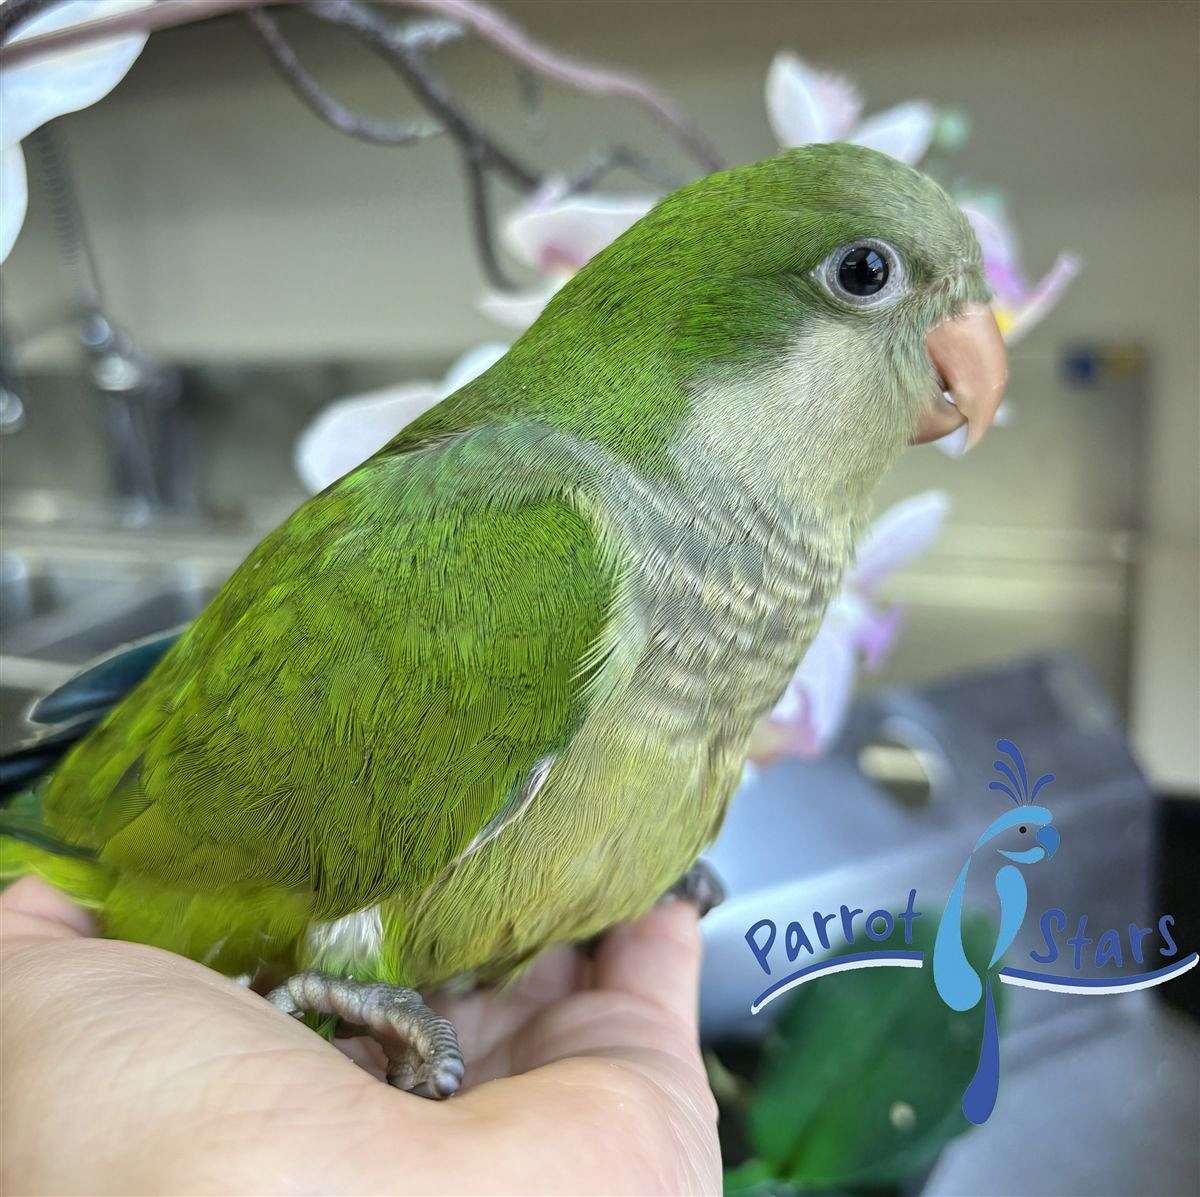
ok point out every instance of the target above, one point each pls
(490, 26)
(619, 157)
(403, 48)
(389, 41)
(365, 128)
(481, 217)
(580, 76)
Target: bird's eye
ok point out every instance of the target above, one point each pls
(863, 271)
(1021, 830)
(863, 274)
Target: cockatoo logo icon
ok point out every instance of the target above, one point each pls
(1023, 836)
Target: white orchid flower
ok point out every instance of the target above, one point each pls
(1019, 305)
(349, 430)
(35, 92)
(805, 105)
(813, 708)
(556, 234)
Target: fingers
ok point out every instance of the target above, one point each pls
(656, 959)
(31, 910)
(490, 1021)
(488, 1017)
(616, 1070)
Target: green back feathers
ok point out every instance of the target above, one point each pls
(364, 694)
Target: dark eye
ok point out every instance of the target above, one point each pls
(863, 273)
(1021, 830)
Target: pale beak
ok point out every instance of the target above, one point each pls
(968, 354)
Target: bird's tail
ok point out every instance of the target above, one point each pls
(980, 1098)
(27, 847)
(67, 714)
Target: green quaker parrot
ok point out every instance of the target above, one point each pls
(492, 690)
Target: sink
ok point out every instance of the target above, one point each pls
(28, 592)
(62, 608)
(138, 613)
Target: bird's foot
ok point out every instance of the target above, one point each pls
(701, 885)
(421, 1047)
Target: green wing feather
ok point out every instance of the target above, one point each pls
(366, 692)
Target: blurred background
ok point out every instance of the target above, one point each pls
(265, 265)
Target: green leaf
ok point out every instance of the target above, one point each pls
(865, 1074)
(753, 1177)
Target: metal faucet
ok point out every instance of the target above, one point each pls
(150, 451)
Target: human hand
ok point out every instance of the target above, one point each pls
(126, 1069)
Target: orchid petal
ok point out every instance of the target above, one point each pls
(823, 687)
(472, 364)
(37, 91)
(876, 635)
(1001, 252)
(805, 106)
(1043, 298)
(904, 131)
(954, 444)
(560, 236)
(905, 531)
(347, 432)
(43, 88)
(14, 196)
(521, 309)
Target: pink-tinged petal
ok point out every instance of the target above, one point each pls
(472, 364)
(1043, 298)
(876, 635)
(905, 531)
(954, 444)
(904, 131)
(14, 196)
(1001, 251)
(805, 106)
(43, 88)
(814, 706)
(521, 309)
(826, 678)
(347, 432)
(560, 235)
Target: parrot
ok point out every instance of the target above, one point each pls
(493, 689)
(955, 978)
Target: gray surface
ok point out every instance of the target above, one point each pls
(1112, 1116)
(1099, 1094)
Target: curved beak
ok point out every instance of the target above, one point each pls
(968, 354)
(1049, 838)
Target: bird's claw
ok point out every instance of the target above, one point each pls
(701, 885)
(421, 1047)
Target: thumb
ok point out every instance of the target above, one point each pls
(31, 910)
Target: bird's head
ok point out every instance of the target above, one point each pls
(1025, 835)
(823, 299)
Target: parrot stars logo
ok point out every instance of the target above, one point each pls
(957, 982)
(1022, 837)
